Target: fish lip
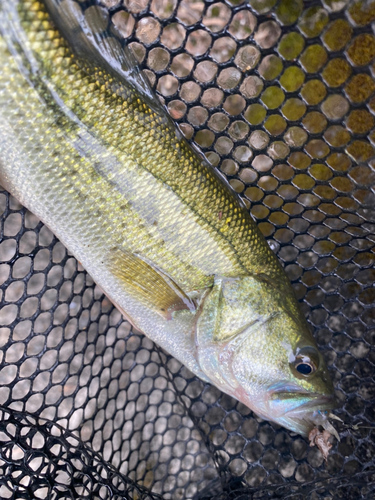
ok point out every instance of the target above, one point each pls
(316, 401)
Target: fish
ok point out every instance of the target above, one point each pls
(89, 149)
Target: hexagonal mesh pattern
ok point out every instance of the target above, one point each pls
(280, 96)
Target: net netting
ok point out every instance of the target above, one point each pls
(280, 96)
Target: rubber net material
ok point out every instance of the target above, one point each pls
(279, 95)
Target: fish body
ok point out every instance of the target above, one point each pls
(87, 147)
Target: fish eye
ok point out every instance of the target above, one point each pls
(306, 361)
(304, 369)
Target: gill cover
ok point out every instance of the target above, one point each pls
(234, 313)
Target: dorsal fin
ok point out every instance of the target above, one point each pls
(87, 33)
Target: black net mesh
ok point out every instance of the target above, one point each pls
(279, 96)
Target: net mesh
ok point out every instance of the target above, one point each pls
(279, 95)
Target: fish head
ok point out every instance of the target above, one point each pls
(292, 387)
(304, 398)
(255, 345)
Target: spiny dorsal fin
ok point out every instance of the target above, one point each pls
(89, 38)
(148, 284)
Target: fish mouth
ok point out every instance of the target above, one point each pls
(309, 402)
(301, 411)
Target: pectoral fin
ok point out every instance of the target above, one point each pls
(148, 284)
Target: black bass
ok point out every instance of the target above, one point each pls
(88, 148)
